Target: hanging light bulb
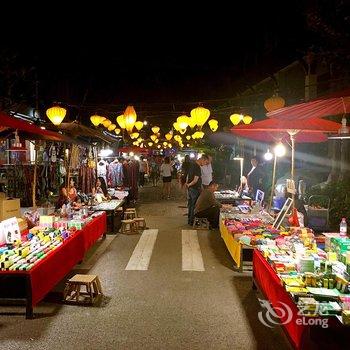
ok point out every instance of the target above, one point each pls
(168, 136)
(155, 129)
(56, 114)
(112, 127)
(139, 125)
(236, 118)
(268, 155)
(159, 146)
(129, 118)
(213, 124)
(280, 150)
(117, 131)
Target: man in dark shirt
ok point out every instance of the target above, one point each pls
(193, 184)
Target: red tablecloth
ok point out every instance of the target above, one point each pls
(300, 333)
(47, 273)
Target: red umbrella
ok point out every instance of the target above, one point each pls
(337, 103)
(311, 130)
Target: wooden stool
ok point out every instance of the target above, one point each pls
(129, 227)
(140, 224)
(131, 210)
(201, 224)
(130, 214)
(72, 291)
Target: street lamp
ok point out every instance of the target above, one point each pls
(279, 151)
(241, 159)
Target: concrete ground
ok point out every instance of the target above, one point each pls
(160, 308)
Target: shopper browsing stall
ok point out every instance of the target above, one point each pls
(207, 206)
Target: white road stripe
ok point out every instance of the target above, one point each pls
(141, 256)
(191, 252)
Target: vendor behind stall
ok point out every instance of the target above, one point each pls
(207, 206)
(62, 197)
(100, 192)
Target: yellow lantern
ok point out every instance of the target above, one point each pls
(134, 135)
(170, 145)
(188, 137)
(168, 136)
(135, 143)
(194, 136)
(188, 145)
(200, 134)
(176, 126)
(213, 124)
(183, 121)
(129, 118)
(121, 121)
(273, 103)
(200, 115)
(165, 143)
(139, 125)
(156, 141)
(247, 119)
(155, 129)
(150, 144)
(236, 118)
(182, 131)
(117, 131)
(153, 137)
(191, 122)
(56, 114)
(106, 123)
(96, 119)
(140, 139)
(112, 127)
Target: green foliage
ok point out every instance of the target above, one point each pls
(339, 201)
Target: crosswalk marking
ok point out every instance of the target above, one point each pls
(191, 252)
(141, 256)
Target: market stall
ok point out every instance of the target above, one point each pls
(31, 265)
(308, 288)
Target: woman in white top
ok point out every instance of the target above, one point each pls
(165, 172)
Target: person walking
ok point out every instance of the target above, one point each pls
(193, 184)
(154, 171)
(165, 172)
(143, 170)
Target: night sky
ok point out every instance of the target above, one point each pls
(162, 63)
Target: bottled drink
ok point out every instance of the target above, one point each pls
(343, 228)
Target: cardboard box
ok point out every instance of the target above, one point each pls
(10, 208)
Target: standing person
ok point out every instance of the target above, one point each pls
(184, 169)
(206, 171)
(255, 177)
(143, 170)
(193, 184)
(165, 172)
(154, 171)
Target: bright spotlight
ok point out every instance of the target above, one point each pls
(280, 150)
(268, 155)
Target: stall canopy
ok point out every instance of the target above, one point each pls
(75, 129)
(335, 104)
(27, 130)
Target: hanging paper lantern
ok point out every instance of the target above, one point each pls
(117, 131)
(188, 145)
(153, 137)
(183, 121)
(191, 122)
(176, 126)
(182, 131)
(106, 123)
(188, 137)
(273, 103)
(129, 118)
(140, 139)
(200, 115)
(150, 144)
(213, 124)
(134, 135)
(155, 129)
(170, 145)
(139, 125)
(159, 146)
(96, 119)
(236, 118)
(200, 134)
(156, 141)
(121, 121)
(165, 143)
(56, 114)
(168, 136)
(112, 127)
(247, 119)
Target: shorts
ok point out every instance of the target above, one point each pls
(166, 178)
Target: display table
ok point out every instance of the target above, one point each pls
(32, 286)
(110, 208)
(231, 197)
(300, 333)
